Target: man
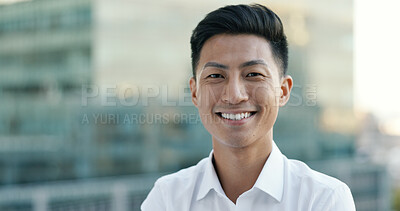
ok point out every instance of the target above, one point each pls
(239, 59)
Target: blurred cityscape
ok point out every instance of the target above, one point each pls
(95, 104)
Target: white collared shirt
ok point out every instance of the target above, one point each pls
(283, 184)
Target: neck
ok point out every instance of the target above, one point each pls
(239, 167)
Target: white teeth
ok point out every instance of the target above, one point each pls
(236, 116)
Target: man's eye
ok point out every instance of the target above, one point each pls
(253, 74)
(215, 76)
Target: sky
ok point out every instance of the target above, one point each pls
(376, 59)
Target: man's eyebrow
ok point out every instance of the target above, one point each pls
(215, 64)
(253, 62)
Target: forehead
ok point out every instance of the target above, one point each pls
(233, 50)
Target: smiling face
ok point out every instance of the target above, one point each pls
(238, 89)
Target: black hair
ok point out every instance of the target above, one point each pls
(252, 19)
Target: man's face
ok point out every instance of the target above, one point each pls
(238, 89)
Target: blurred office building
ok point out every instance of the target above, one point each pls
(48, 128)
(45, 57)
(95, 104)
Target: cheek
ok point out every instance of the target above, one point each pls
(208, 96)
(266, 95)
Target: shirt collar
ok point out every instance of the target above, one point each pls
(269, 181)
(271, 178)
(210, 179)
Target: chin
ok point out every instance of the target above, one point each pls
(234, 141)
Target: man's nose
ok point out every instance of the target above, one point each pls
(234, 92)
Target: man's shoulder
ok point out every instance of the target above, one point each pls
(317, 190)
(184, 176)
(301, 173)
(171, 190)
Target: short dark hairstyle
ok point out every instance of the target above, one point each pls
(252, 19)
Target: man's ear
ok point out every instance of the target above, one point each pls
(193, 90)
(286, 88)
